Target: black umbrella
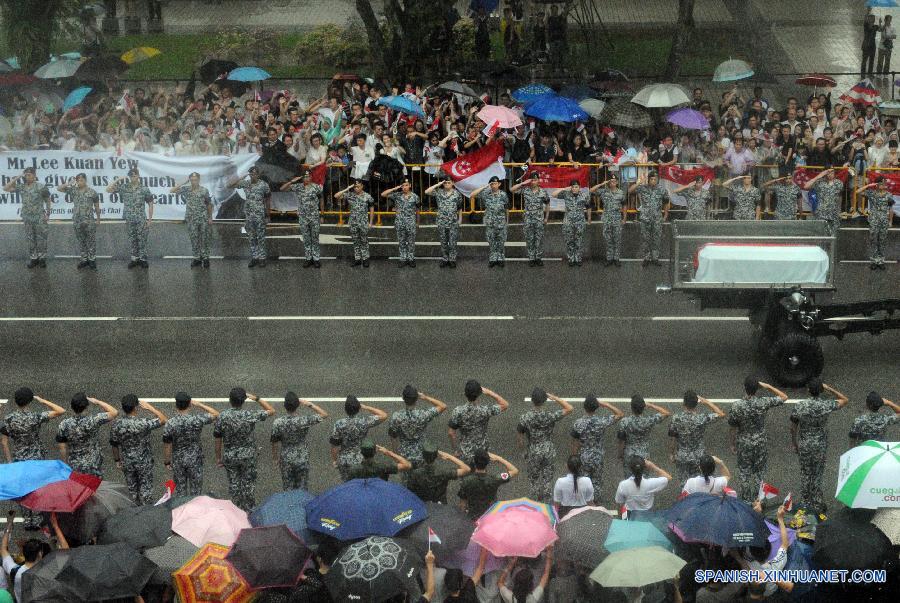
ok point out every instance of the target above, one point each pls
(101, 67)
(268, 557)
(169, 557)
(106, 571)
(40, 584)
(214, 69)
(581, 537)
(375, 569)
(450, 525)
(85, 523)
(847, 541)
(144, 527)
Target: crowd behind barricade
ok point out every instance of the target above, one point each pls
(569, 564)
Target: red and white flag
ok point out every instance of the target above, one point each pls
(474, 170)
(766, 491)
(318, 173)
(674, 176)
(126, 103)
(555, 177)
(891, 179)
(802, 175)
(170, 490)
(788, 502)
(728, 491)
(433, 537)
(491, 129)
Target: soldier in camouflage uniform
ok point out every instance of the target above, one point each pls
(130, 441)
(289, 434)
(407, 427)
(613, 199)
(22, 428)
(588, 435)
(256, 214)
(468, 422)
(578, 215)
(236, 448)
(536, 426)
(36, 207)
(536, 201)
(85, 218)
(349, 432)
(134, 196)
(182, 446)
(362, 214)
(747, 420)
(405, 203)
(872, 425)
(495, 203)
(77, 436)
(787, 197)
(696, 197)
(653, 210)
(880, 203)
(372, 468)
(686, 430)
(429, 481)
(828, 193)
(449, 216)
(745, 198)
(198, 210)
(309, 202)
(810, 440)
(633, 431)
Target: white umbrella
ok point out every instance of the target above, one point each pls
(661, 95)
(867, 475)
(732, 70)
(593, 107)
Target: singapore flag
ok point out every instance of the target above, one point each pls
(473, 170)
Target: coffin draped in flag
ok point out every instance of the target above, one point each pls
(474, 170)
(802, 175)
(674, 176)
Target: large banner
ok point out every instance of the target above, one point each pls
(158, 172)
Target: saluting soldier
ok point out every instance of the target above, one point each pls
(349, 432)
(198, 211)
(405, 204)
(653, 210)
(613, 218)
(536, 428)
(828, 193)
(469, 422)
(578, 216)
(182, 445)
(361, 206)
(788, 201)
(697, 199)
(880, 204)
(370, 467)
(77, 436)
(236, 448)
(686, 430)
(496, 205)
(407, 427)
(872, 425)
(256, 214)
(449, 203)
(633, 431)
(135, 196)
(35, 212)
(309, 204)
(289, 434)
(536, 202)
(85, 218)
(129, 437)
(429, 481)
(587, 433)
(746, 198)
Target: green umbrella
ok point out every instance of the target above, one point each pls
(637, 567)
(867, 475)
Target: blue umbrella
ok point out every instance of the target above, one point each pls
(578, 91)
(12, 62)
(248, 74)
(401, 104)
(881, 3)
(551, 107)
(364, 507)
(75, 97)
(717, 519)
(634, 534)
(288, 508)
(531, 92)
(24, 477)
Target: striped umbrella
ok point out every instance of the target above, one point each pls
(863, 93)
(547, 510)
(209, 577)
(867, 475)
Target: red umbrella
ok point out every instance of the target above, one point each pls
(63, 496)
(17, 79)
(817, 80)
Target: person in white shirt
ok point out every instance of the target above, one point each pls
(637, 492)
(706, 481)
(362, 155)
(574, 490)
(885, 46)
(761, 557)
(877, 154)
(522, 590)
(31, 551)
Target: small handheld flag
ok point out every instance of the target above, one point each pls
(170, 490)
(788, 502)
(432, 537)
(767, 491)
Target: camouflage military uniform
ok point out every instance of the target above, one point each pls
(575, 223)
(255, 216)
(471, 421)
(359, 223)
(291, 431)
(697, 202)
(409, 427)
(131, 435)
(405, 223)
(34, 205)
(811, 415)
(373, 469)
(634, 430)
(786, 200)
(748, 415)
(308, 199)
(613, 205)
(134, 200)
(537, 425)
(495, 205)
(183, 432)
(744, 202)
(829, 205)
(348, 433)
(429, 482)
(196, 217)
(535, 202)
(589, 431)
(79, 433)
(85, 221)
(652, 202)
(448, 206)
(688, 428)
(235, 427)
(879, 213)
(23, 428)
(872, 426)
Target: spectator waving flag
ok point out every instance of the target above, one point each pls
(673, 176)
(802, 175)
(474, 170)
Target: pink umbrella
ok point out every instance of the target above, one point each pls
(502, 116)
(204, 519)
(515, 532)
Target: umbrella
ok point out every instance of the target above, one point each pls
(862, 93)
(106, 571)
(5, 67)
(661, 96)
(23, 477)
(817, 80)
(634, 534)
(269, 557)
(288, 508)
(577, 91)
(546, 510)
(58, 69)
(75, 97)
(866, 472)
(717, 519)
(626, 114)
(551, 107)
(881, 3)
(637, 567)
(843, 542)
(688, 118)
(467, 560)
(141, 53)
(85, 523)
(12, 62)
(888, 521)
(169, 557)
(177, 501)
(581, 535)
(505, 117)
(215, 69)
(144, 527)
(449, 524)
(248, 74)
(63, 496)
(732, 70)
(207, 576)
(41, 584)
(67, 55)
(610, 75)
(17, 79)
(206, 519)
(375, 569)
(401, 104)
(515, 532)
(101, 67)
(364, 507)
(458, 88)
(531, 92)
(592, 106)
(775, 537)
